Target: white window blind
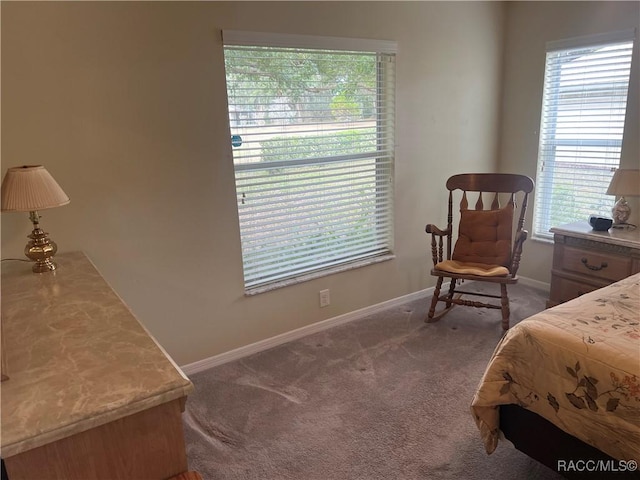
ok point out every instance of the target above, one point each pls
(312, 131)
(583, 113)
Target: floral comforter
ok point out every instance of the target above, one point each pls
(578, 366)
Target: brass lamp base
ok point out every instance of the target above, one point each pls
(40, 248)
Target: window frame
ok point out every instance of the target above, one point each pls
(234, 39)
(580, 148)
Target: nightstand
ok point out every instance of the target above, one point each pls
(585, 259)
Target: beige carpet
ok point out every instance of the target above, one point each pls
(385, 397)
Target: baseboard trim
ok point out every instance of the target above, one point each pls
(530, 282)
(298, 333)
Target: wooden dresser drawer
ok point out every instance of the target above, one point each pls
(596, 264)
(565, 290)
(585, 260)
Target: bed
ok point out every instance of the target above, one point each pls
(564, 385)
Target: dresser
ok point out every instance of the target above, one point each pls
(585, 260)
(90, 394)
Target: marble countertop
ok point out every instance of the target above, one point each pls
(614, 236)
(76, 356)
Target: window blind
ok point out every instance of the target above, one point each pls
(312, 131)
(583, 113)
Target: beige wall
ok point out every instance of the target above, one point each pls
(125, 105)
(529, 26)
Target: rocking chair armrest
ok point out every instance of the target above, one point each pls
(433, 230)
(437, 247)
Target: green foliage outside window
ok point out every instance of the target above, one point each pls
(317, 146)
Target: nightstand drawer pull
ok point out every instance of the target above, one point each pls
(593, 267)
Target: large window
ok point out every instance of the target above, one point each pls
(584, 103)
(312, 132)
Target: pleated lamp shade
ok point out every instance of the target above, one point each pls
(625, 183)
(31, 188)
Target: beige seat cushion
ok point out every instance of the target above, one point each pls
(484, 237)
(464, 268)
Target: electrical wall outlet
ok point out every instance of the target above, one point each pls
(325, 299)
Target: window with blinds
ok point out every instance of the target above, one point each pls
(584, 104)
(312, 133)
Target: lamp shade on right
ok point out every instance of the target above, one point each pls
(625, 183)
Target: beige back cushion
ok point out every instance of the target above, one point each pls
(484, 236)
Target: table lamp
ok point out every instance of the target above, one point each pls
(28, 189)
(625, 182)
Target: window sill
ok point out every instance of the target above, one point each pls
(321, 273)
(545, 240)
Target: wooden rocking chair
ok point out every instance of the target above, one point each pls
(489, 243)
